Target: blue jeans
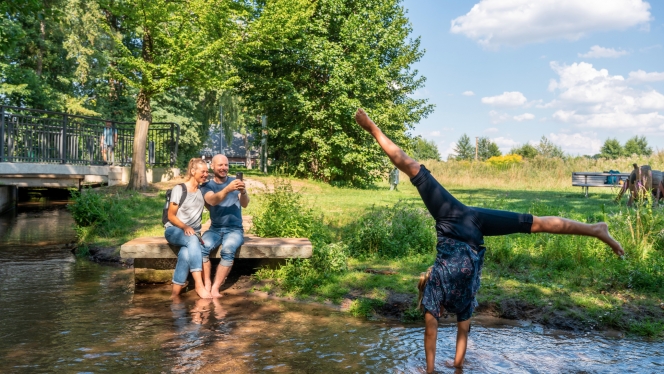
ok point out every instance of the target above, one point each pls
(190, 255)
(230, 239)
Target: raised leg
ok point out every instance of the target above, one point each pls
(398, 157)
(558, 225)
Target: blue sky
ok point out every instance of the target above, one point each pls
(575, 71)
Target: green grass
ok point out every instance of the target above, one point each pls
(572, 277)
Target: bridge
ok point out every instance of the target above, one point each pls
(40, 148)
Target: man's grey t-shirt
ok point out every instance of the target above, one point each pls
(228, 213)
(192, 207)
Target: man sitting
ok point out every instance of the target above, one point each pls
(225, 197)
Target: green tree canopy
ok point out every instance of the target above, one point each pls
(549, 150)
(525, 151)
(463, 149)
(611, 149)
(308, 65)
(487, 149)
(424, 149)
(638, 145)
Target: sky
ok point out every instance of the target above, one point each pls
(576, 71)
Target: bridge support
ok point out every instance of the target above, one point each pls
(8, 198)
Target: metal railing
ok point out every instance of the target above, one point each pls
(32, 135)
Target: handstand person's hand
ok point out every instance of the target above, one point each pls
(364, 121)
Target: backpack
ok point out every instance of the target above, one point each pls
(164, 212)
(612, 179)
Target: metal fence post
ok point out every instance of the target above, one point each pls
(10, 141)
(2, 133)
(63, 139)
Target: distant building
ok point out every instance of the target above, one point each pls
(236, 151)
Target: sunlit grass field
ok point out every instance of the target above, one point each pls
(547, 278)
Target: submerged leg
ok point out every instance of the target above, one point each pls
(558, 225)
(398, 157)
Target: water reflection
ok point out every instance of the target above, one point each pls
(60, 314)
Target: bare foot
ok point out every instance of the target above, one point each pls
(364, 121)
(216, 294)
(203, 293)
(603, 235)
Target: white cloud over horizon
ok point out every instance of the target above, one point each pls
(642, 76)
(506, 99)
(601, 52)
(524, 117)
(593, 98)
(516, 22)
(585, 143)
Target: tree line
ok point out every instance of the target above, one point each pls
(305, 64)
(612, 149)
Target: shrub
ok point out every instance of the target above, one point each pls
(89, 208)
(395, 231)
(504, 161)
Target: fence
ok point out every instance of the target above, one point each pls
(32, 135)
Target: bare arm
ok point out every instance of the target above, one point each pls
(430, 336)
(172, 211)
(215, 198)
(244, 199)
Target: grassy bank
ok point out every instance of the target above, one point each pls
(366, 256)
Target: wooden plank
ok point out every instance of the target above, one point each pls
(253, 247)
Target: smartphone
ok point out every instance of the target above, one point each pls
(239, 175)
(200, 238)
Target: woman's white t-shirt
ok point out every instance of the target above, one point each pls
(192, 207)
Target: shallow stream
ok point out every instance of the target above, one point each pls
(60, 314)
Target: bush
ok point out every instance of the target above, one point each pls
(396, 231)
(89, 208)
(504, 161)
(283, 215)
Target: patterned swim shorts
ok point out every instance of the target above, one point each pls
(454, 280)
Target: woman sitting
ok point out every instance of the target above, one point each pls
(184, 226)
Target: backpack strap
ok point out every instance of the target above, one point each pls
(184, 194)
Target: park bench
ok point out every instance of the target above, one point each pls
(154, 259)
(593, 179)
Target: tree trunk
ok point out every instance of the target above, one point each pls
(138, 178)
(247, 152)
(40, 50)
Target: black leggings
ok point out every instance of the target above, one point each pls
(467, 224)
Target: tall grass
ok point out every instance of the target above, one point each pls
(537, 173)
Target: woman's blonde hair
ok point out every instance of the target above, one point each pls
(193, 164)
(424, 277)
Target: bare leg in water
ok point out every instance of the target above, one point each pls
(552, 225)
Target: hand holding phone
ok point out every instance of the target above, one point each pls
(239, 175)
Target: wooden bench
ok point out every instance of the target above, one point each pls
(593, 179)
(144, 249)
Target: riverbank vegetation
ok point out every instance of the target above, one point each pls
(370, 245)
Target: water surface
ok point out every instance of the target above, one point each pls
(60, 314)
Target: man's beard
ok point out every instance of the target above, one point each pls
(217, 175)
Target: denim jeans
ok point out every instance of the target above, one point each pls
(230, 239)
(190, 256)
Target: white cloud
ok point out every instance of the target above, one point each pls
(468, 93)
(642, 76)
(585, 143)
(497, 117)
(524, 117)
(601, 52)
(434, 133)
(515, 22)
(491, 130)
(505, 144)
(592, 98)
(506, 99)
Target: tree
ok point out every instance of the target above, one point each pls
(463, 149)
(487, 149)
(525, 151)
(425, 149)
(548, 149)
(308, 66)
(638, 145)
(162, 45)
(611, 149)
